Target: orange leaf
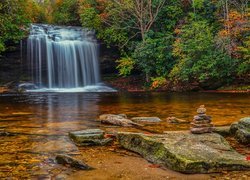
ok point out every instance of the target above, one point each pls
(248, 158)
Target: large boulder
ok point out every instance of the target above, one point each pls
(241, 130)
(186, 152)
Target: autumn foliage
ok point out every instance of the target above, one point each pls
(185, 41)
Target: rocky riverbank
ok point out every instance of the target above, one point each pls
(136, 83)
(182, 151)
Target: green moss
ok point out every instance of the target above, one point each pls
(185, 152)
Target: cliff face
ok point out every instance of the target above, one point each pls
(14, 65)
(108, 57)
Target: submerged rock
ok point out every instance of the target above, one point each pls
(67, 160)
(89, 137)
(186, 152)
(5, 133)
(58, 145)
(146, 119)
(117, 120)
(176, 120)
(241, 130)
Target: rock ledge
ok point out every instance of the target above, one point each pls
(186, 152)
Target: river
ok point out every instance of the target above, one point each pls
(41, 122)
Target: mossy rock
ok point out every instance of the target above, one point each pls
(241, 130)
(78, 136)
(186, 152)
(234, 127)
(89, 137)
(245, 123)
(243, 136)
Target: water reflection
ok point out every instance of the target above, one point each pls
(68, 112)
(84, 108)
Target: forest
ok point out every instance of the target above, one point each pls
(165, 41)
(125, 89)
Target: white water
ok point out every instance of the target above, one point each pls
(64, 59)
(94, 88)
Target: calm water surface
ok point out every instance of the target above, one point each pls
(41, 121)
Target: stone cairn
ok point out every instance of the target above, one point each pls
(201, 122)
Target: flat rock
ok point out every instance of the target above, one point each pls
(222, 130)
(201, 125)
(176, 120)
(117, 120)
(146, 119)
(186, 152)
(201, 130)
(202, 117)
(201, 121)
(89, 137)
(67, 160)
(78, 136)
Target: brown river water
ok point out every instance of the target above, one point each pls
(41, 122)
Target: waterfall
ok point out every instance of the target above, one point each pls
(62, 57)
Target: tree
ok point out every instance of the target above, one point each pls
(198, 59)
(143, 13)
(15, 16)
(65, 12)
(153, 56)
(126, 19)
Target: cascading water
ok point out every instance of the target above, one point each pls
(63, 58)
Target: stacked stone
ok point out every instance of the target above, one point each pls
(201, 122)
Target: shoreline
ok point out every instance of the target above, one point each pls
(4, 89)
(135, 84)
